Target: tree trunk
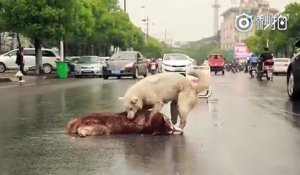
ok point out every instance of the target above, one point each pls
(13, 42)
(38, 56)
(286, 52)
(293, 48)
(19, 40)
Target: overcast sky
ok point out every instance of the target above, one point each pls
(184, 20)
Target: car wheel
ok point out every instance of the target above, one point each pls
(2, 68)
(147, 72)
(119, 77)
(105, 77)
(47, 68)
(136, 73)
(77, 76)
(291, 90)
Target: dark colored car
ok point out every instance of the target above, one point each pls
(293, 78)
(125, 63)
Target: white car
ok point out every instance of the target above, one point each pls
(49, 58)
(281, 65)
(175, 62)
(89, 66)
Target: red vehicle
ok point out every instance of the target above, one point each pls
(216, 63)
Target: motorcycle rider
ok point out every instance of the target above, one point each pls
(253, 59)
(235, 65)
(266, 55)
(152, 60)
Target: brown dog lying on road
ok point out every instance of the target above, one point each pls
(117, 123)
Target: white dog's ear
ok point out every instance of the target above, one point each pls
(121, 98)
(134, 99)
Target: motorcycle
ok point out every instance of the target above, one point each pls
(153, 68)
(253, 69)
(266, 69)
(228, 67)
(234, 69)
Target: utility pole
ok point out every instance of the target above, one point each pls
(125, 4)
(165, 37)
(147, 23)
(147, 28)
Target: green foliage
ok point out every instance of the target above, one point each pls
(152, 48)
(88, 27)
(280, 42)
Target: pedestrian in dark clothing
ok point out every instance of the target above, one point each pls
(20, 63)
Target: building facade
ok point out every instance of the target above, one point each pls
(229, 35)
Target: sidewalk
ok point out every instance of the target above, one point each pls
(8, 79)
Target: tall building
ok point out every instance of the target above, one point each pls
(229, 35)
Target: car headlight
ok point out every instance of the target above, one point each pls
(166, 65)
(129, 65)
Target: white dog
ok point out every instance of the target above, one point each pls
(154, 91)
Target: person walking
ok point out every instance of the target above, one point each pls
(20, 62)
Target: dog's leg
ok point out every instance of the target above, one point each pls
(156, 108)
(187, 99)
(174, 112)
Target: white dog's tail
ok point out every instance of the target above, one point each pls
(200, 80)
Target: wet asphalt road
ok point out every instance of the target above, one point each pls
(248, 128)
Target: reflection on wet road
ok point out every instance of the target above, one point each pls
(248, 127)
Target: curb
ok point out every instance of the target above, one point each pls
(5, 80)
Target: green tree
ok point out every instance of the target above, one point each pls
(38, 20)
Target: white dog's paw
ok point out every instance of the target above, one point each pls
(177, 130)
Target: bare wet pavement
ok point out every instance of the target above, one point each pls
(248, 127)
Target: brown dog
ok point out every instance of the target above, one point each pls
(117, 123)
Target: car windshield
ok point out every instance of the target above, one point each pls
(216, 57)
(175, 57)
(88, 60)
(124, 56)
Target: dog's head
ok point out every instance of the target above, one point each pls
(132, 105)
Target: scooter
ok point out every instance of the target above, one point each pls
(266, 70)
(253, 69)
(234, 69)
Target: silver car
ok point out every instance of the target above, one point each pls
(89, 66)
(49, 58)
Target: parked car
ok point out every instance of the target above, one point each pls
(216, 63)
(49, 58)
(293, 77)
(89, 66)
(176, 62)
(281, 65)
(126, 63)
